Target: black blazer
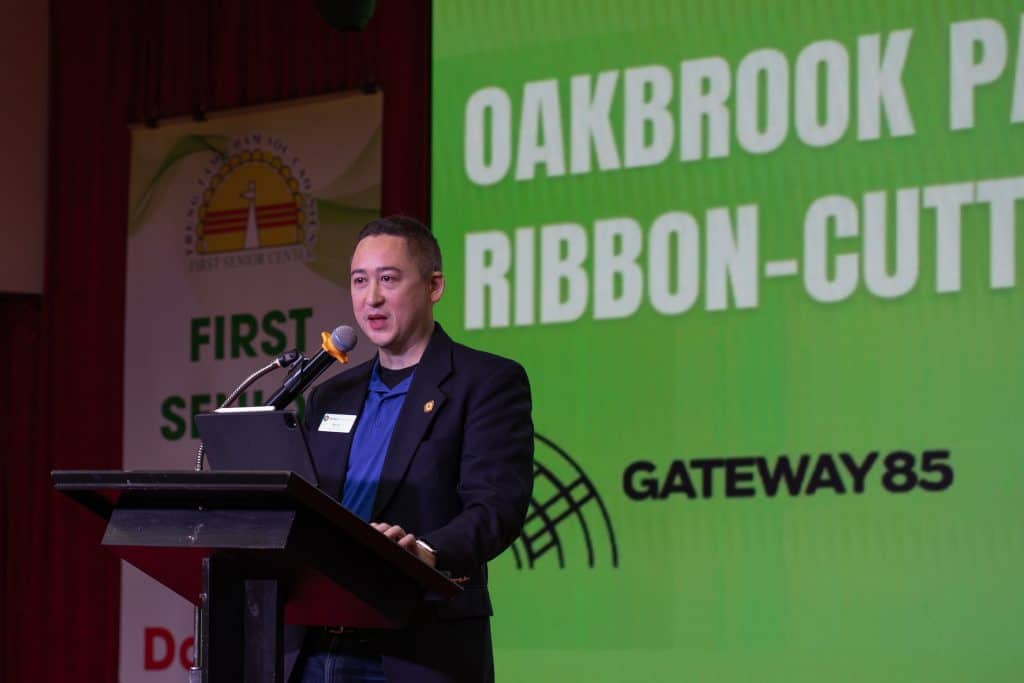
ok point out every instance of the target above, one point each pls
(459, 468)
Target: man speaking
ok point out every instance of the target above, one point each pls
(439, 459)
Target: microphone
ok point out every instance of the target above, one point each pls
(334, 347)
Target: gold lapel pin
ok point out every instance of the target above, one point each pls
(428, 406)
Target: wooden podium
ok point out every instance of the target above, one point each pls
(256, 550)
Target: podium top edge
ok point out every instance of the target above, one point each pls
(172, 479)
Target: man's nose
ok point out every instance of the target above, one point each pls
(375, 295)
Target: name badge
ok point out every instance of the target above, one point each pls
(336, 422)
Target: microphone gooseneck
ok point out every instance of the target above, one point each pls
(285, 360)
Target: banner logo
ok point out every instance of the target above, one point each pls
(566, 513)
(254, 208)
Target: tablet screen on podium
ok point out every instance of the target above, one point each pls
(259, 438)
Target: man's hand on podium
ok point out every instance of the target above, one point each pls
(407, 541)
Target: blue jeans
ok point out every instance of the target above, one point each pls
(346, 660)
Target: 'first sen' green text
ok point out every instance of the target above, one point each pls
(239, 335)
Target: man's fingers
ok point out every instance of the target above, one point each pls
(407, 541)
(392, 531)
(397, 534)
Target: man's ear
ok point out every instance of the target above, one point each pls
(436, 286)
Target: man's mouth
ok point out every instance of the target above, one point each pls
(376, 321)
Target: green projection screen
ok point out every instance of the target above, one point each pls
(761, 262)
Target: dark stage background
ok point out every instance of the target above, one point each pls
(114, 63)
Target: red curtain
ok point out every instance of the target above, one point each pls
(114, 62)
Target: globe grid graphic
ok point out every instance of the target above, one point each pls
(565, 506)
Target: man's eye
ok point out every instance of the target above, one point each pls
(358, 280)
(386, 278)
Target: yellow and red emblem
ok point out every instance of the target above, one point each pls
(253, 201)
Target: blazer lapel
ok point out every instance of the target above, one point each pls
(423, 402)
(331, 457)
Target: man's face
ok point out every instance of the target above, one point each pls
(392, 301)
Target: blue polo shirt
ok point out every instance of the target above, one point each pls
(370, 443)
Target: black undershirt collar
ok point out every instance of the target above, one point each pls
(392, 378)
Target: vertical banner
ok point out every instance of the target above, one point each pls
(762, 263)
(241, 230)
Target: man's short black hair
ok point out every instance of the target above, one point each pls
(421, 242)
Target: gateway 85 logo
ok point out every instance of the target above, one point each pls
(567, 523)
(254, 207)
